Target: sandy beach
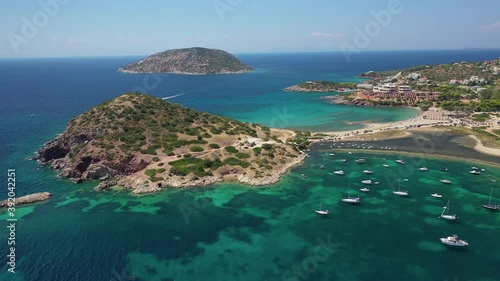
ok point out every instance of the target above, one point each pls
(425, 121)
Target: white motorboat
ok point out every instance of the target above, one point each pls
(475, 168)
(339, 172)
(400, 162)
(475, 172)
(454, 241)
(331, 154)
(365, 189)
(351, 200)
(322, 166)
(445, 181)
(437, 195)
(424, 169)
(368, 171)
(343, 160)
(349, 152)
(385, 165)
(361, 160)
(366, 182)
(445, 214)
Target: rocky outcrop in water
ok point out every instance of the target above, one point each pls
(31, 198)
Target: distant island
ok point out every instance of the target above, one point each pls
(322, 86)
(195, 60)
(144, 143)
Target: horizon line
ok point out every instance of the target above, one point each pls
(256, 52)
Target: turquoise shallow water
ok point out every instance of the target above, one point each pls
(229, 231)
(233, 232)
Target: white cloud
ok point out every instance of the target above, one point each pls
(489, 27)
(326, 34)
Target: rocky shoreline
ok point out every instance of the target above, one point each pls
(31, 198)
(340, 99)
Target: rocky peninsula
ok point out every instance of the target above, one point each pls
(31, 198)
(189, 61)
(322, 86)
(144, 143)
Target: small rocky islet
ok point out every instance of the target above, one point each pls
(195, 60)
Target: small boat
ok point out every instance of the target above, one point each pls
(445, 181)
(475, 168)
(490, 206)
(454, 241)
(331, 154)
(349, 152)
(437, 195)
(361, 160)
(365, 189)
(322, 166)
(475, 172)
(385, 165)
(366, 182)
(445, 214)
(321, 211)
(368, 171)
(400, 192)
(343, 160)
(351, 200)
(339, 172)
(424, 169)
(400, 162)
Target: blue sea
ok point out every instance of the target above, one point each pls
(230, 231)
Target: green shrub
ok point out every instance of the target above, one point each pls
(231, 149)
(196, 148)
(267, 146)
(156, 159)
(186, 155)
(257, 150)
(242, 155)
(214, 145)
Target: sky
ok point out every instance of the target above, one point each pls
(66, 28)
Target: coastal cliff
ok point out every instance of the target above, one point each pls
(145, 144)
(189, 61)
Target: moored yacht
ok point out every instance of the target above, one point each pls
(400, 161)
(351, 200)
(424, 169)
(361, 160)
(365, 189)
(474, 172)
(339, 172)
(366, 182)
(368, 171)
(437, 195)
(454, 241)
(385, 165)
(445, 181)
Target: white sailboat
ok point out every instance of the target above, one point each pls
(385, 165)
(365, 189)
(445, 214)
(400, 192)
(339, 172)
(366, 182)
(490, 206)
(321, 211)
(474, 172)
(400, 161)
(445, 181)
(368, 171)
(437, 195)
(424, 169)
